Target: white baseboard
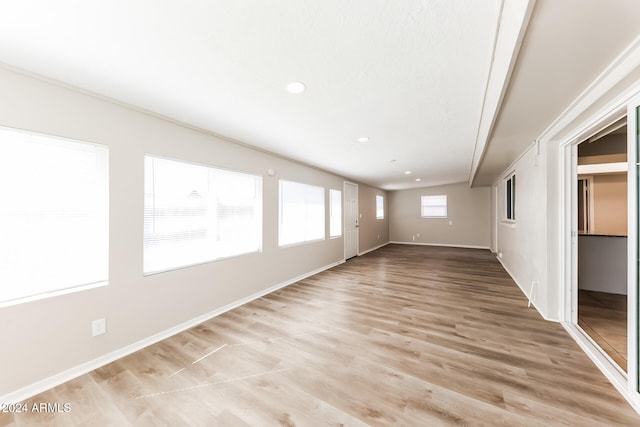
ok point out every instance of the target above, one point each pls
(524, 291)
(446, 245)
(43, 385)
(373, 249)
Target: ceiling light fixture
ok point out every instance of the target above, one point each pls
(407, 172)
(418, 180)
(296, 88)
(363, 139)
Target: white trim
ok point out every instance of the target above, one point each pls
(633, 342)
(602, 168)
(373, 249)
(446, 245)
(617, 70)
(69, 374)
(614, 376)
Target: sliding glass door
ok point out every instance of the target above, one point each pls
(633, 146)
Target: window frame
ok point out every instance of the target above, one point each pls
(510, 198)
(379, 206)
(434, 196)
(89, 215)
(335, 217)
(257, 216)
(281, 214)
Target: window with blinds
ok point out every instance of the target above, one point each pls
(195, 214)
(433, 206)
(54, 216)
(335, 213)
(379, 207)
(301, 213)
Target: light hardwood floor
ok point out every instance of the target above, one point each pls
(403, 336)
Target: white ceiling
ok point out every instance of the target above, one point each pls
(410, 75)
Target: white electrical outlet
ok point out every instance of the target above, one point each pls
(99, 327)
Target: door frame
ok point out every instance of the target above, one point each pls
(625, 383)
(633, 159)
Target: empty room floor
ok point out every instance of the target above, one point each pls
(405, 335)
(604, 317)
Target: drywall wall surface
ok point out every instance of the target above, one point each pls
(522, 243)
(52, 335)
(610, 204)
(602, 264)
(468, 221)
(374, 232)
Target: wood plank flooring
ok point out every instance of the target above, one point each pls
(604, 317)
(403, 336)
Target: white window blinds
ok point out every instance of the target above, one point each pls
(434, 206)
(195, 214)
(335, 213)
(54, 215)
(379, 207)
(301, 213)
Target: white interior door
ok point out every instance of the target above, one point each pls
(351, 220)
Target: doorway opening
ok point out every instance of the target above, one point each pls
(601, 203)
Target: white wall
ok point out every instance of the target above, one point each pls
(47, 337)
(535, 248)
(521, 244)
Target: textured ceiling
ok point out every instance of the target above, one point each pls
(410, 75)
(415, 76)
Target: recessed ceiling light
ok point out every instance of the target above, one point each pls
(363, 139)
(296, 87)
(407, 172)
(418, 180)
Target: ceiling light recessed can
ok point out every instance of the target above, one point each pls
(407, 172)
(418, 180)
(363, 139)
(296, 87)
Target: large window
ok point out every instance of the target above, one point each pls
(54, 215)
(510, 199)
(301, 213)
(195, 214)
(335, 213)
(433, 206)
(379, 207)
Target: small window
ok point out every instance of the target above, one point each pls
(335, 213)
(510, 199)
(54, 216)
(195, 214)
(434, 206)
(301, 213)
(379, 207)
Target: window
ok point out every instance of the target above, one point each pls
(510, 200)
(335, 213)
(379, 207)
(301, 213)
(195, 214)
(54, 216)
(433, 206)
